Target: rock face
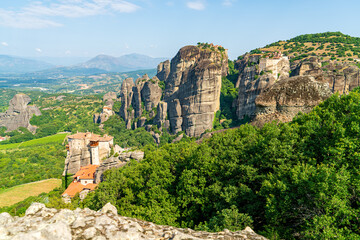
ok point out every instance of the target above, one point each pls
(342, 77)
(109, 98)
(193, 87)
(257, 74)
(117, 162)
(184, 96)
(151, 94)
(266, 93)
(163, 70)
(19, 114)
(283, 100)
(107, 111)
(43, 223)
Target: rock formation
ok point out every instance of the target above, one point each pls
(43, 223)
(266, 93)
(257, 74)
(342, 77)
(193, 87)
(107, 110)
(163, 70)
(151, 94)
(283, 100)
(117, 162)
(19, 113)
(190, 87)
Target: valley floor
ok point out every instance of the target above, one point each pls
(18, 193)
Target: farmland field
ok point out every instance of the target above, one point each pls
(18, 193)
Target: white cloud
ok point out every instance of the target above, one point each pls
(196, 5)
(228, 3)
(124, 7)
(5, 44)
(38, 14)
(38, 50)
(67, 52)
(24, 20)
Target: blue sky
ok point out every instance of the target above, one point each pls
(86, 28)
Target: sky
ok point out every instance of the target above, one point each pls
(81, 29)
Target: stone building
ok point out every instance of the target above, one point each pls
(85, 149)
(273, 64)
(83, 182)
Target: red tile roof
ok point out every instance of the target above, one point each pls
(76, 187)
(91, 137)
(86, 172)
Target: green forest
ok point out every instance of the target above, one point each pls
(297, 180)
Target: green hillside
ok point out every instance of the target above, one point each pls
(31, 161)
(328, 45)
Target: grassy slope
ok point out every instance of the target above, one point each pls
(31, 161)
(58, 138)
(18, 193)
(327, 45)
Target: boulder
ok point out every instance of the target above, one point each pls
(283, 100)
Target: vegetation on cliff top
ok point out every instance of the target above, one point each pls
(328, 46)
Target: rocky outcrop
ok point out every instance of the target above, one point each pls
(19, 113)
(161, 116)
(105, 114)
(183, 97)
(109, 98)
(256, 74)
(192, 89)
(342, 77)
(266, 93)
(163, 70)
(139, 99)
(283, 100)
(116, 162)
(126, 95)
(151, 94)
(43, 223)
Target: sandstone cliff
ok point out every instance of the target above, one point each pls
(184, 95)
(192, 89)
(257, 74)
(342, 77)
(19, 113)
(284, 99)
(163, 70)
(266, 93)
(43, 223)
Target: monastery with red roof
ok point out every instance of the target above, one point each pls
(85, 152)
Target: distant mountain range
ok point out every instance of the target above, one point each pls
(98, 64)
(10, 64)
(130, 62)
